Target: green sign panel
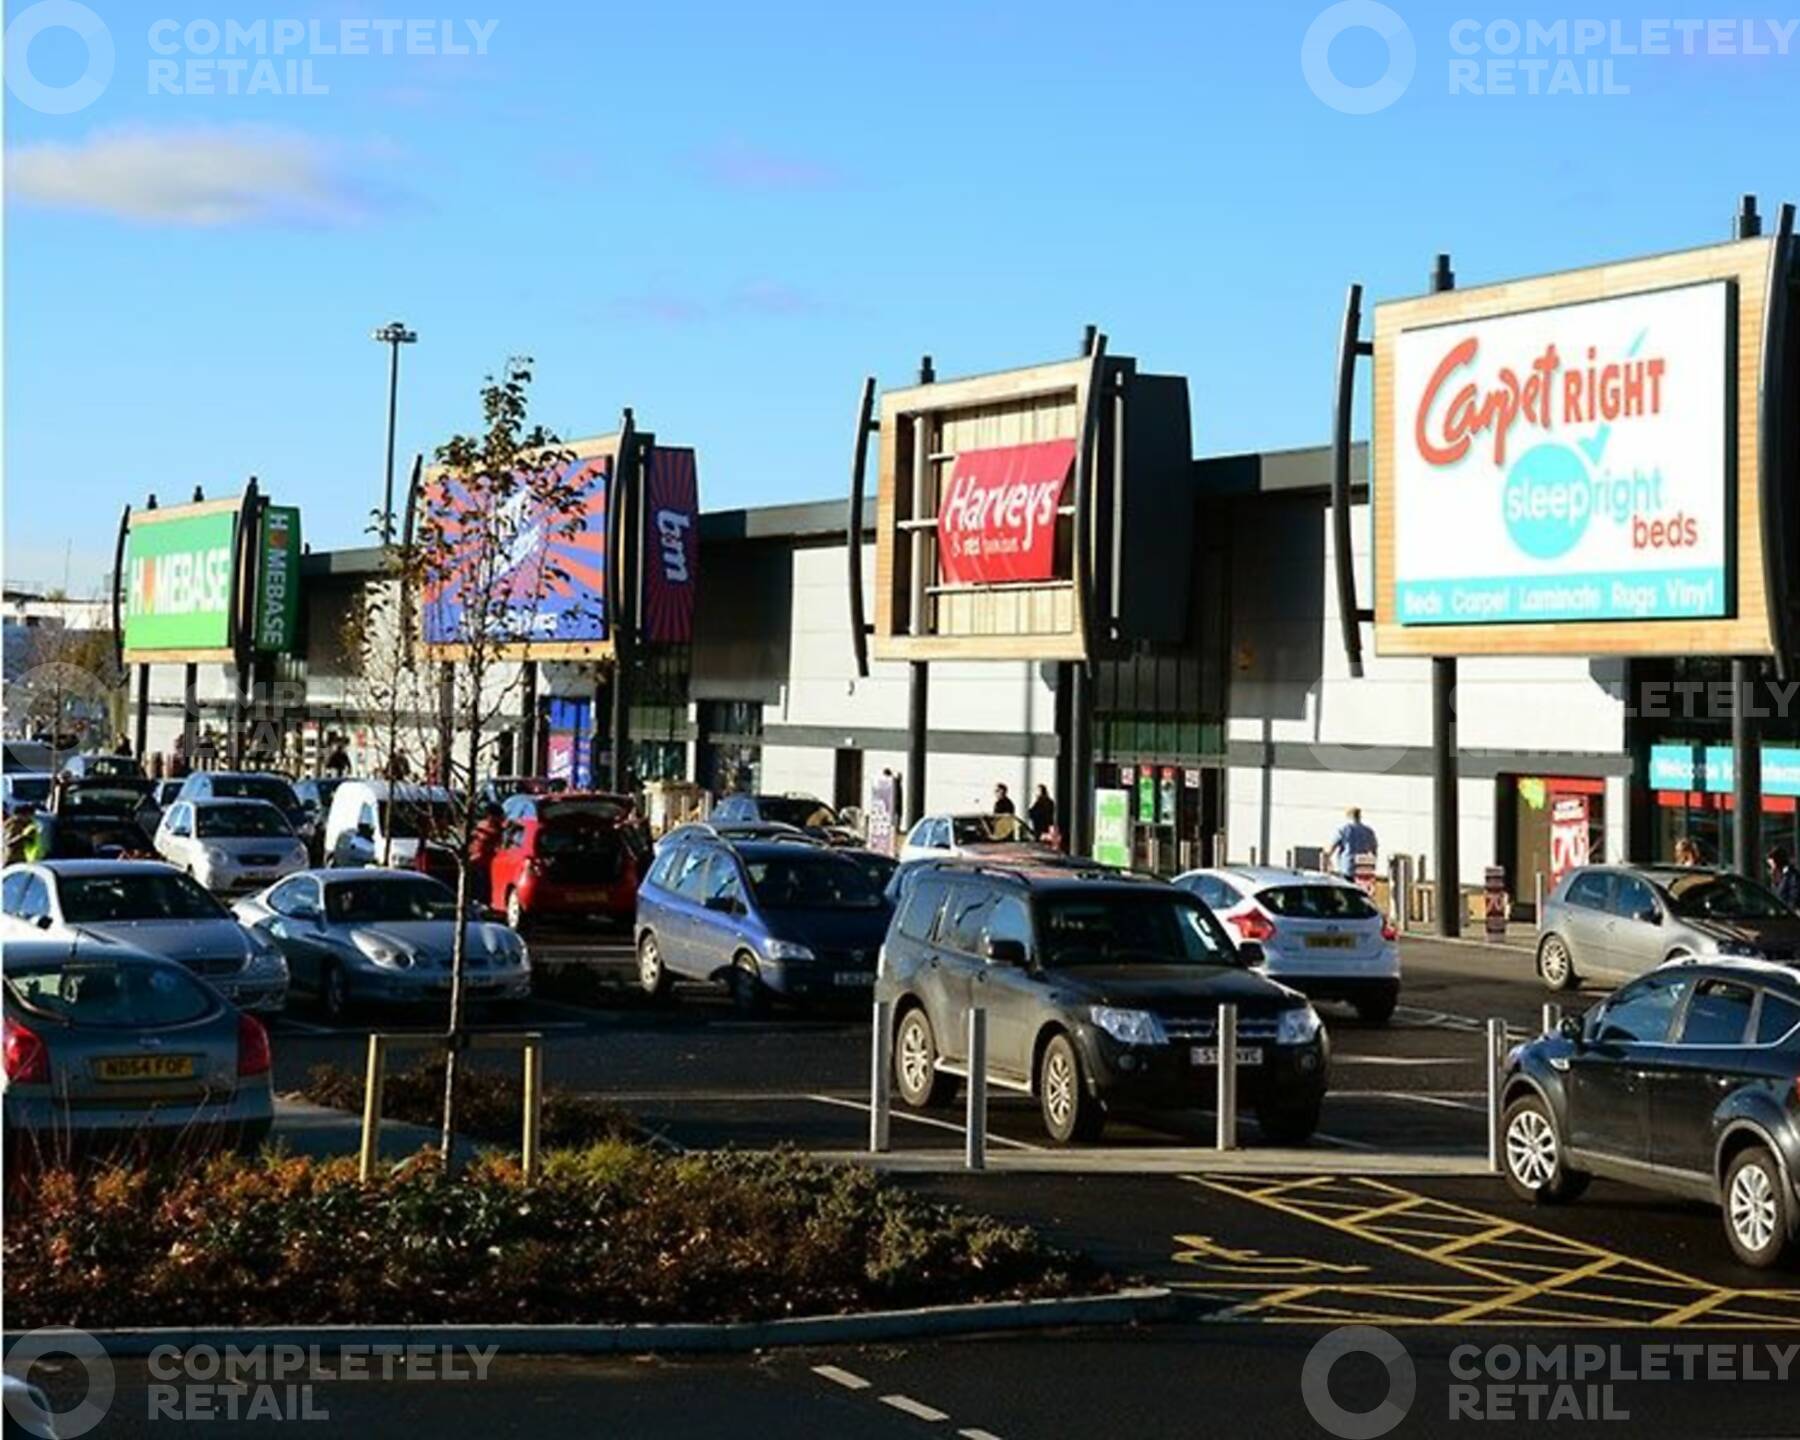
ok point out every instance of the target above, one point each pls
(278, 580)
(1146, 790)
(179, 581)
(1112, 828)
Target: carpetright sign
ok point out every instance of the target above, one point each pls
(180, 582)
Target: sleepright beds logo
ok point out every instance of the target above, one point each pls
(1556, 487)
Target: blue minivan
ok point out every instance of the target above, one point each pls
(786, 918)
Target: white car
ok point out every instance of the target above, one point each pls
(230, 846)
(1319, 933)
(417, 814)
(935, 836)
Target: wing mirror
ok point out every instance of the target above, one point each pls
(1650, 915)
(1250, 952)
(1007, 952)
(1572, 1028)
(43, 922)
(724, 904)
(365, 831)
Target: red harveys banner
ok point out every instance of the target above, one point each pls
(997, 521)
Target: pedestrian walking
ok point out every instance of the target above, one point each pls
(1687, 851)
(1003, 804)
(1353, 839)
(1784, 878)
(1042, 813)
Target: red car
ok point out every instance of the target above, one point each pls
(570, 855)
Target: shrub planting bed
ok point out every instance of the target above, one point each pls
(616, 1232)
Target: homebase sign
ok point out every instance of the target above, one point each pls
(1566, 463)
(180, 573)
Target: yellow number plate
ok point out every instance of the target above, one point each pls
(145, 1067)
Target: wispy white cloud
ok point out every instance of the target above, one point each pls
(736, 164)
(200, 177)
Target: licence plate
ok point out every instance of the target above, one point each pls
(591, 895)
(853, 977)
(1209, 1055)
(145, 1067)
(1330, 942)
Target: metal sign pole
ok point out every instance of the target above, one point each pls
(1227, 1108)
(1496, 1051)
(975, 1151)
(880, 1076)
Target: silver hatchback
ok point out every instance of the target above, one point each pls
(1629, 919)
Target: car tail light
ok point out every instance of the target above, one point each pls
(534, 866)
(1254, 925)
(27, 1059)
(1388, 932)
(253, 1046)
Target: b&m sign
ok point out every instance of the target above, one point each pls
(1567, 463)
(997, 517)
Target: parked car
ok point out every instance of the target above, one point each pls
(85, 835)
(230, 845)
(1632, 919)
(379, 936)
(278, 790)
(150, 907)
(567, 856)
(107, 1047)
(1319, 934)
(1683, 1081)
(22, 792)
(881, 869)
(803, 812)
(936, 836)
(423, 820)
(314, 794)
(103, 766)
(1101, 990)
(767, 917)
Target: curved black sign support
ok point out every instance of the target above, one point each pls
(1775, 424)
(866, 425)
(1086, 456)
(118, 594)
(1351, 346)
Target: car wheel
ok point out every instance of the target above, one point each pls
(922, 1086)
(1070, 1113)
(1756, 1212)
(748, 994)
(334, 993)
(1288, 1124)
(1556, 966)
(1533, 1155)
(1377, 1009)
(653, 976)
(515, 911)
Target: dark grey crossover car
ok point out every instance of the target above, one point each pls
(1632, 919)
(1101, 990)
(1684, 1081)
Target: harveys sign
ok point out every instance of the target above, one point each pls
(1567, 463)
(997, 519)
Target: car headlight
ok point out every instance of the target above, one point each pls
(1129, 1027)
(1742, 949)
(213, 855)
(786, 950)
(382, 953)
(265, 958)
(1297, 1026)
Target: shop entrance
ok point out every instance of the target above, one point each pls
(1548, 824)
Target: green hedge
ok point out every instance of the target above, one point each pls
(613, 1233)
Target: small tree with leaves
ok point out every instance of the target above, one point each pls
(484, 556)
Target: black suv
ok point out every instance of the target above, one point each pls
(1686, 1080)
(1101, 990)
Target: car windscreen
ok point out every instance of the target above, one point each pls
(566, 837)
(111, 797)
(879, 868)
(1114, 928)
(140, 895)
(256, 787)
(1316, 902)
(112, 996)
(812, 881)
(79, 837)
(571, 812)
(225, 822)
(1724, 897)
(352, 902)
(988, 830)
(422, 819)
(800, 810)
(35, 788)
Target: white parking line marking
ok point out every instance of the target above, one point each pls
(861, 1105)
(918, 1409)
(841, 1377)
(1438, 1100)
(1405, 1059)
(973, 1434)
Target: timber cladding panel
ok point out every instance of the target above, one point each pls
(1744, 628)
(923, 430)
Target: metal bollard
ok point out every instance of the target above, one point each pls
(1552, 1017)
(530, 1159)
(975, 1148)
(374, 1083)
(1496, 1057)
(1538, 901)
(1227, 1107)
(881, 1072)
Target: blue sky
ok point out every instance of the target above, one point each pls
(725, 215)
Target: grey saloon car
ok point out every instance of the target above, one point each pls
(109, 1047)
(372, 936)
(1629, 919)
(148, 906)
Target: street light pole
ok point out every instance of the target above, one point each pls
(393, 335)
